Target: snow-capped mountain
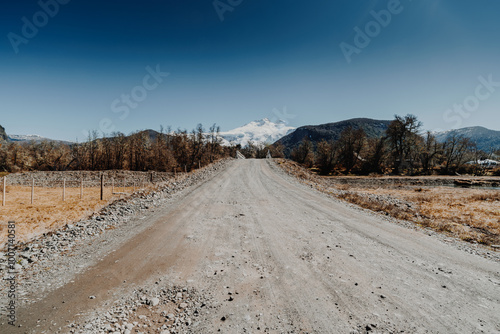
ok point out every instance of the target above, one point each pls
(35, 138)
(259, 132)
(484, 138)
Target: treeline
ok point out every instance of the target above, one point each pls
(141, 151)
(258, 151)
(402, 150)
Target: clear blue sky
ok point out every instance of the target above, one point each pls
(75, 73)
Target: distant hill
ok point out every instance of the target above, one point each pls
(3, 134)
(331, 131)
(485, 139)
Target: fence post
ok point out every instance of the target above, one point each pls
(102, 187)
(64, 190)
(112, 185)
(32, 189)
(3, 195)
(81, 188)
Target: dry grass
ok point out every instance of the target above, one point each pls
(471, 214)
(49, 211)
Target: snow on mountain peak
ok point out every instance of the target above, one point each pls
(260, 132)
(25, 137)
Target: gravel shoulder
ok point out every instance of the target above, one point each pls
(252, 250)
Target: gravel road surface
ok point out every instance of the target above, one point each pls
(253, 251)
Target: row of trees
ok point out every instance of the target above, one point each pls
(402, 150)
(141, 151)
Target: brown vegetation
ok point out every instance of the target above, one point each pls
(471, 214)
(141, 151)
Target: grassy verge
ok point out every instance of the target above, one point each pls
(470, 214)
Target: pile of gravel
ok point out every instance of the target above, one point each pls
(165, 310)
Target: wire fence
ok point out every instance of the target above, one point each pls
(29, 188)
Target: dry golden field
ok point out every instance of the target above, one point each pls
(48, 211)
(471, 214)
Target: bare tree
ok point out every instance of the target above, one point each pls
(403, 137)
(376, 153)
(429, 152)
(350, 145)
(325, 157)
(304, 153)
(455, 149)
(277, 150)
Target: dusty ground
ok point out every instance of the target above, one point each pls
(278, 257)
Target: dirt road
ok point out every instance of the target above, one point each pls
(295, 260)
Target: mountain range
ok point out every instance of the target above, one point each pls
(35, 138)
(485, 139)
(265, 131)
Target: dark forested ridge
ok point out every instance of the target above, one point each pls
(331, 131)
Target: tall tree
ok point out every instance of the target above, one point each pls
(455, 149)
(325, 157)
(403, 137)
(429, 152)
(350, 144)
(304, 153)
(376, 153)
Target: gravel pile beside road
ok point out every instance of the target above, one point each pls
(164, 310)
(426, 181)
(48, 262)
(90, 178)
